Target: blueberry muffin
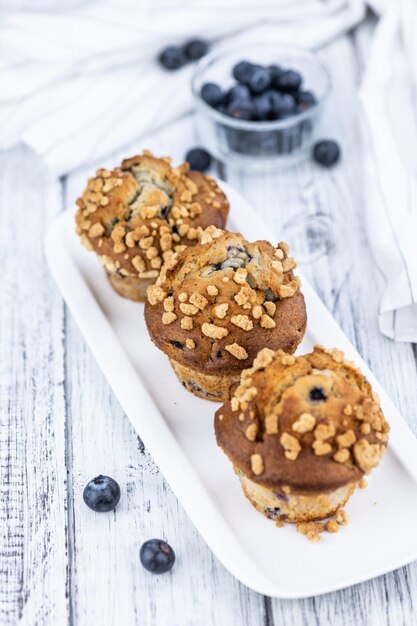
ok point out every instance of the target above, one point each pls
(301, 433)
(216, 305)
(137, 216)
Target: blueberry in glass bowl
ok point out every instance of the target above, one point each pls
(261, 110)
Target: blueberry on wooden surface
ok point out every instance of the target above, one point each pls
(326, 152)
(195, 49)
(198, 159)
(212, 94)
(157, 556)
(102, 494)
(317, 394)
(289, 81)
(172, 58)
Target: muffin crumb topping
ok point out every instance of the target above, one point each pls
(251, 431)
(291, 446)
(304, 403)
(169, 304)
(229, 279)
(342, 517)
(257, 464)
(332, 526)
(324, 431)
(267, 321)
(257, 312)
(188, 309)
(213, 331)
(199, 301)
(271, 424)
(304, 424)
(367, 455)
(220, 310)
(313, 530)
(140, 213)
(240, 276)
(347, 439)
(321, 448)
(168, 318)
(342, 455)
(212, 290)
(242, 321)
(297, 422)
(264, 358)
(271, 307)
(237, 351)
(187, 323)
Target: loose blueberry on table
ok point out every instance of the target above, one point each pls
(102, 494)
(195, 49)
(326, 152)
(198, 159)
(172, 58)
(157, 556)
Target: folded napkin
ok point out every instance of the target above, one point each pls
(389, 98)
(80, 83)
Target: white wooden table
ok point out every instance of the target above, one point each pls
(60, 424)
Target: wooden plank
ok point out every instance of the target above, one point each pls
(32, 407)
(108, 583)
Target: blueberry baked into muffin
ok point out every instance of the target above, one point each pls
(137, 216)
(301, 433)
(214, 306)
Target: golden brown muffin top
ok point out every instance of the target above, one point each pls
(136, 216)
(214, 306)
(310, 423)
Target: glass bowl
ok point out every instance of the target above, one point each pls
(259, 144)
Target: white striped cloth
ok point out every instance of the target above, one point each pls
(76, 84)
(389, 99)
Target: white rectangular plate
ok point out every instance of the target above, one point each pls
(177, 429)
